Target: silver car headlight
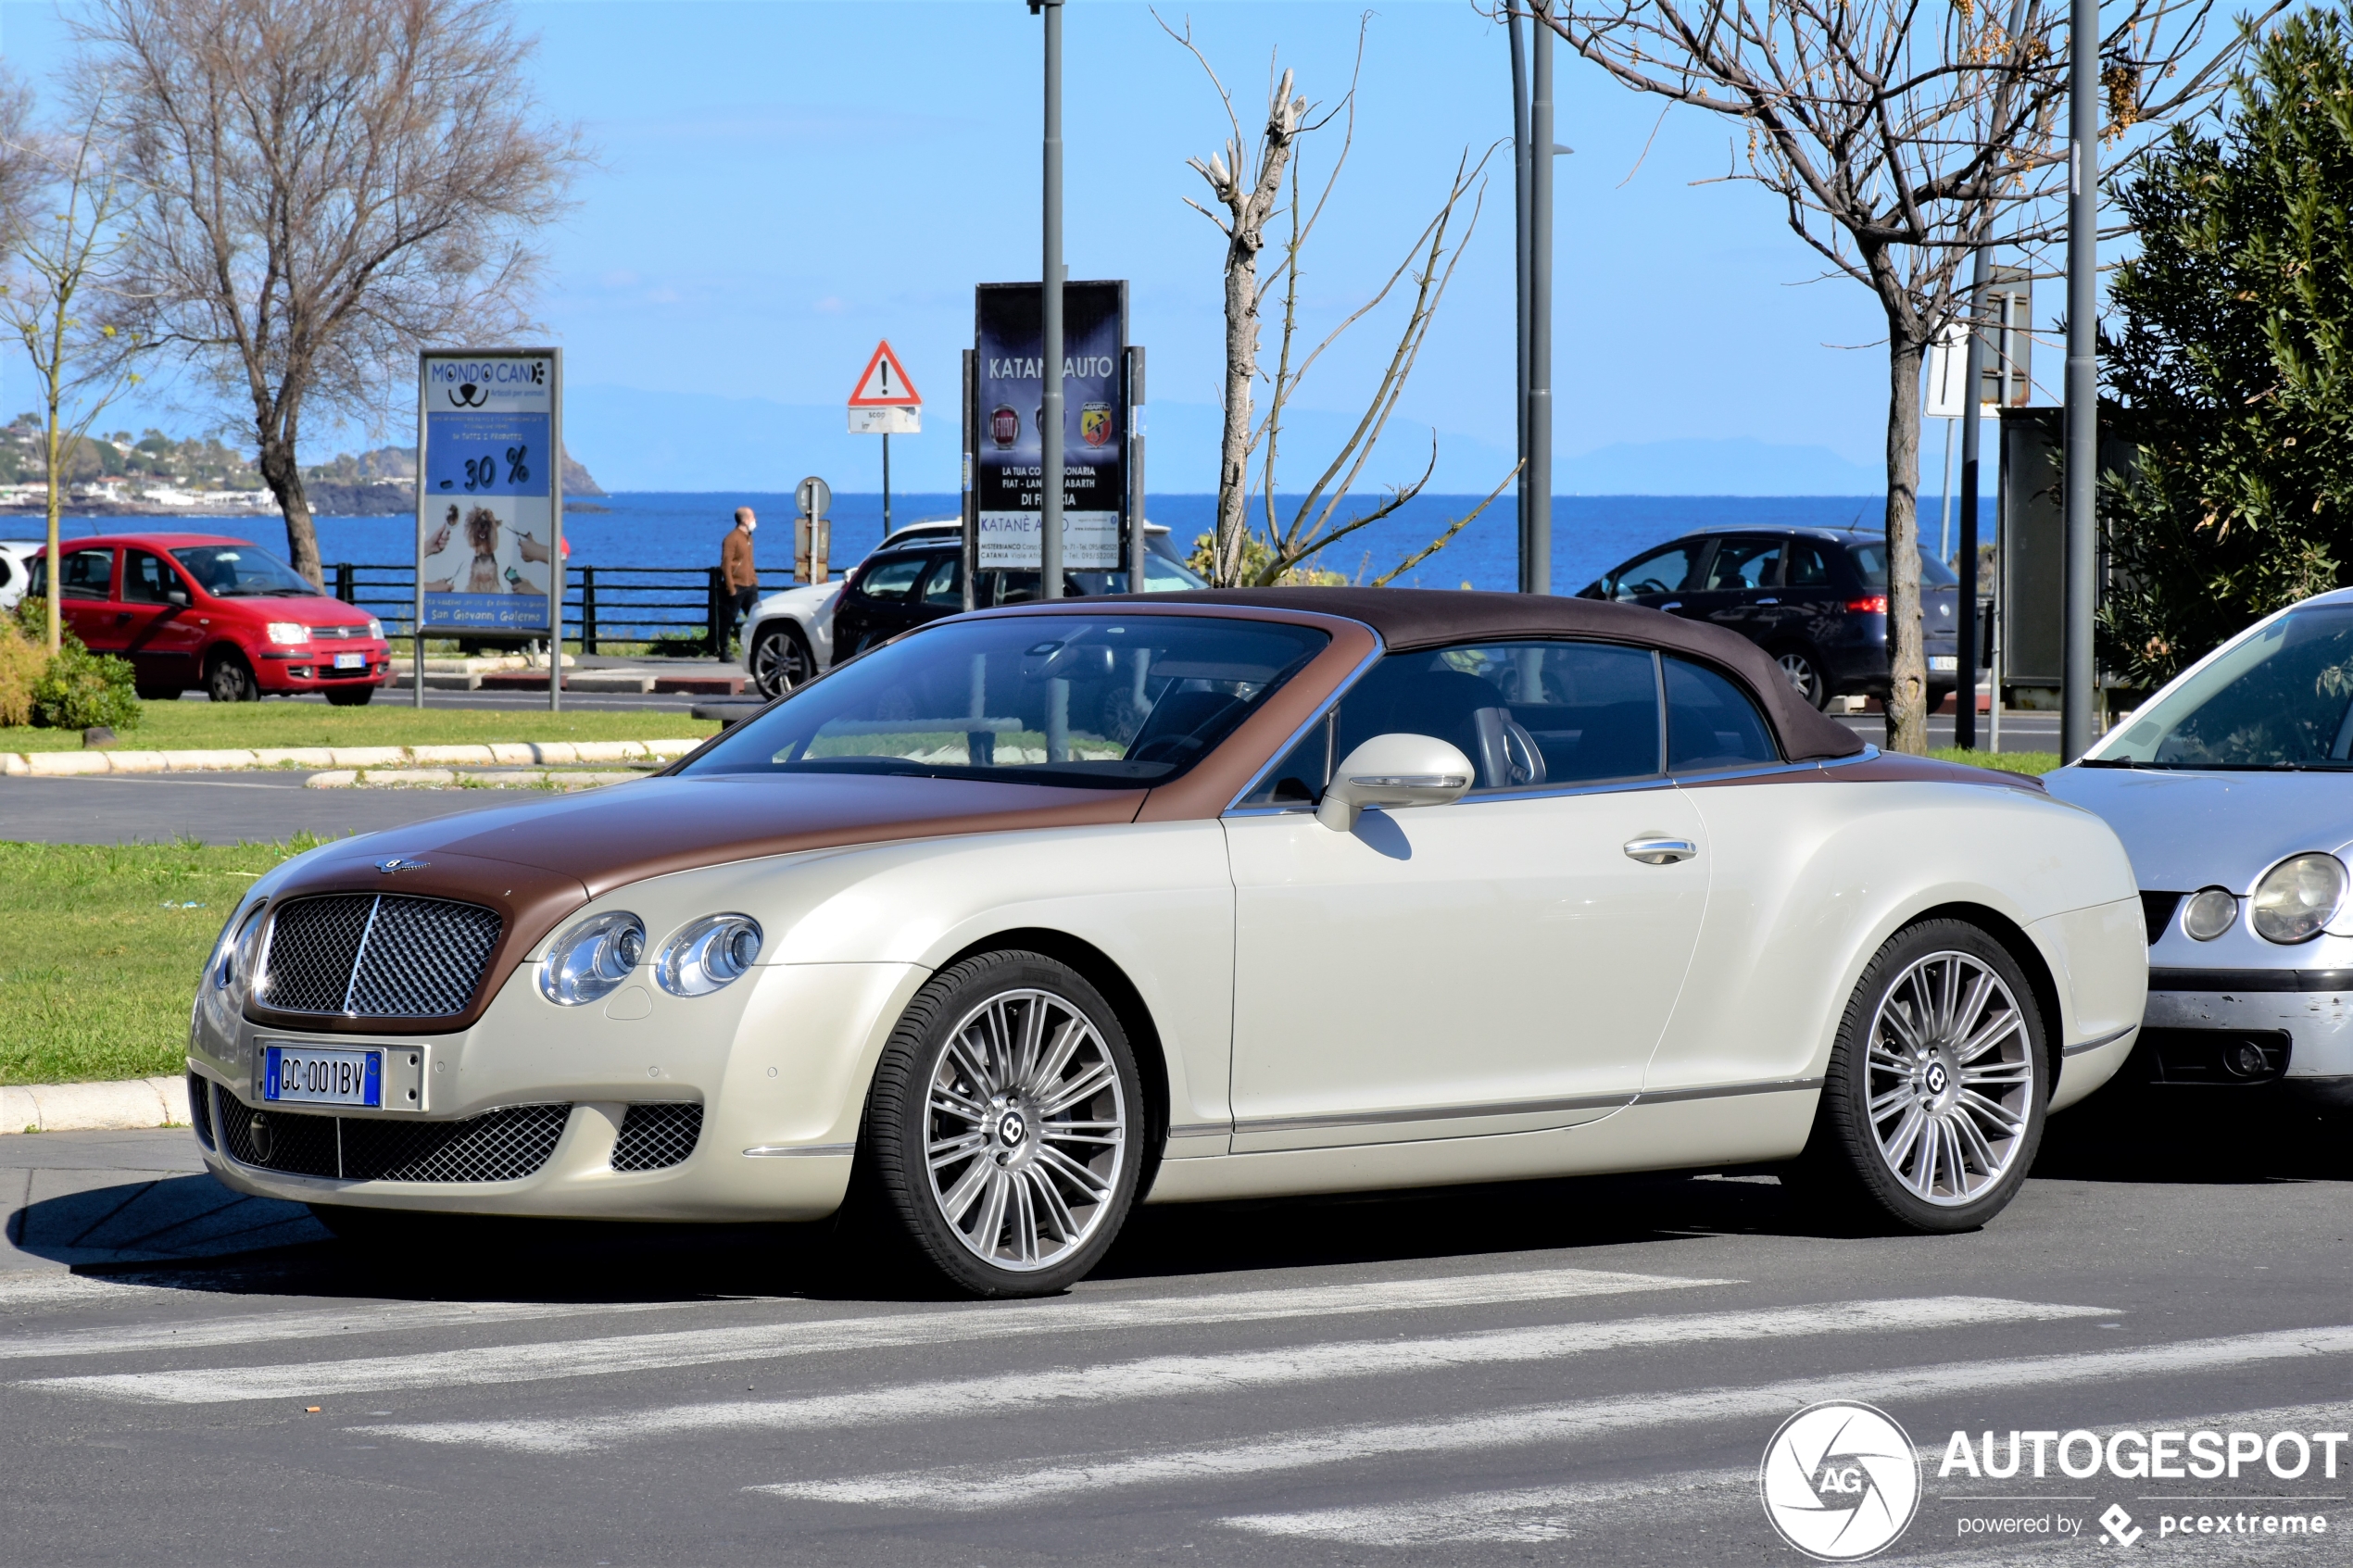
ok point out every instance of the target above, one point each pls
(238, 954)
(708, 955)
(588, 962)
(2298, 897)
(2211, 911)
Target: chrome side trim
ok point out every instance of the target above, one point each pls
(1763, 770)
(782, 1151)
(1323, 710)
(2107, 1039)
(1726, 1091)
(1200, 1129)
(1431, 1113)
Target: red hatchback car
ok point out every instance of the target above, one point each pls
(201, 609)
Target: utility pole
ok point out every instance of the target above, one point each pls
(1523, 160)
(2083, 375)
(1049, 286)
(1538, 569)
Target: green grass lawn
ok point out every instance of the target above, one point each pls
(175, 726)
(99, 949)
(2031, 762)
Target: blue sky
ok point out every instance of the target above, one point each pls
(783, 184)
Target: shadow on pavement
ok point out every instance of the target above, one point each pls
(2132, 1132)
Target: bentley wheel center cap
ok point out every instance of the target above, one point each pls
(1013, 1129)
(1935, 1078)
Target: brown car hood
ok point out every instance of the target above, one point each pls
(537, 864)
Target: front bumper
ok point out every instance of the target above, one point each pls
(2316, 1023)
(312, 668)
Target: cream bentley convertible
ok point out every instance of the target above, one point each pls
(1034, 914)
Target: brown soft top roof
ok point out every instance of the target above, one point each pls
(1421, 618)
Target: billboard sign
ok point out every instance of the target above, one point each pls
(489, 496)
(1010, 396)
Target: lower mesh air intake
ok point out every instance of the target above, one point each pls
(200, 1107)
(655, 1136)
(500, 1145)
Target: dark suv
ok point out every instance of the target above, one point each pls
(910, 581)
(1815, 599)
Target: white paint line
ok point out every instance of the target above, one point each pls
(978, 1487)
(1175, 1377)
(1552, 1513)
(360, 1318)
(595, 1357)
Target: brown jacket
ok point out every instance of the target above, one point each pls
(735, 560)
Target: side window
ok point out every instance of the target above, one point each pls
(892, 578)
(945, 586)
(1745, 563)
(1525, 713)
(1807, 568)
(145, 579)
(88, 575)
(1299, 777)
(1661, 571)
(1711, 724)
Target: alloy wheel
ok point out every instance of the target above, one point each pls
(1804, 677)
(1026, 1128)
(1950, 1079)
(779, 663)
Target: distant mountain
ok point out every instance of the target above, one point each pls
(702, 442)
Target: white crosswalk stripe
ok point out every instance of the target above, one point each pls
(1172, 1376)
(981, 1488)
(477, 1365)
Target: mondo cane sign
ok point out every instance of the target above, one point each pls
(488, 495)
(1009, 374)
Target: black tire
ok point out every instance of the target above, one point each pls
(1864, 1164)
(1019, 1178)
(352, 697)
(1804, 672)
(779, 661)
(230, 678)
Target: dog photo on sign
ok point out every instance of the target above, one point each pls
(475, 548)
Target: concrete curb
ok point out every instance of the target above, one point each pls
(66, 764)
(444, 778)
(86, 1107)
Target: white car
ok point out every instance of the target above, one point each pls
(1036, 913)
(16, 557)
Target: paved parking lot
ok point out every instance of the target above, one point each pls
(1568, 1371)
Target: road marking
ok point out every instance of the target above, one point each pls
(1552, 1513)
(605, 1357)
(1170, 1377)
(978, 1488)
(249, 1328)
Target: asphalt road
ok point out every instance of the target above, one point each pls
(257, 806)
(1580, 1372)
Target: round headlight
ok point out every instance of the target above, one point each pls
(2211, 911)
(588, 961)
(2298, 897)
(234, 955)
(708, 954)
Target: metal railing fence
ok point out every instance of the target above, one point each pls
(602, 604)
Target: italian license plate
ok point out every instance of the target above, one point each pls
(351, 661)
(1944, 663)
(300, 1075)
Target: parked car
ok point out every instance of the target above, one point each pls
(2229, 788)
(1815, 599)
(16, 569)
(1047, 910)
(789, 636)
(200, 611)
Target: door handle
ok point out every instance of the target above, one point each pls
(1768, 601)
(1672, 604)
(121, 616)
(1660, 851)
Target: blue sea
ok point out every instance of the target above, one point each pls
(1591, 534)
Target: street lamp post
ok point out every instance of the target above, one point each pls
(1538, 567)
(2083, 375)
(1050, 282)
(1523, 164)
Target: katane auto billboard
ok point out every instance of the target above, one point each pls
(1008, 349)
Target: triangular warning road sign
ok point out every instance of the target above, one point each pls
(885, 385)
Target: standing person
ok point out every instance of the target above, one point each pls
(736, 568)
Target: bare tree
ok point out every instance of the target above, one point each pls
(330, 184)
(64, 300)
(1246, 178)
(1899, 137)
(19, 167)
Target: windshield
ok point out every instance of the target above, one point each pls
(1108, 701)
(2279, 697)
(231, 572)
(1872, 561)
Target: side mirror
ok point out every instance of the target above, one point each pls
(176, 595)
(1399, 770)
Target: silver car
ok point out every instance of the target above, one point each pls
(2232, 791)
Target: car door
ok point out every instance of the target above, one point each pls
(1741, 588)
(86, 593)
(1502, 964)
(875, 607)
(942, 590)
(1657, 580)
(161, 634)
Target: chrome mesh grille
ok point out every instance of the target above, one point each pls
(500, 1145)
(200, 1107)
(656, 1137)
(382, 955)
